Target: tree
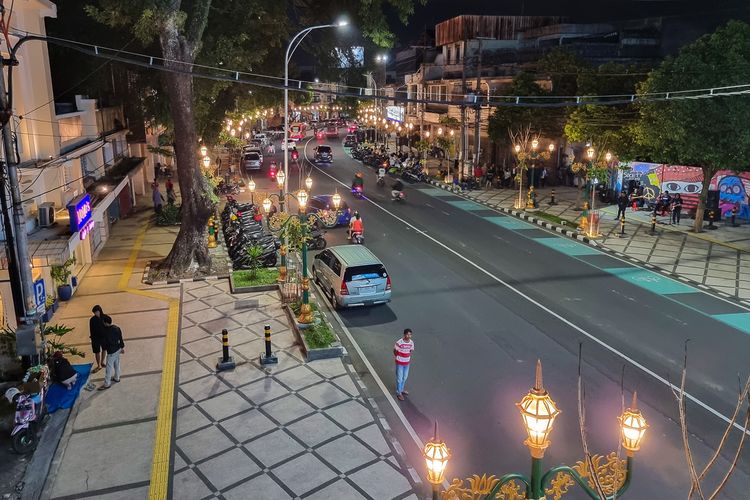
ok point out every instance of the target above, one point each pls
(507, 118)
(710, 133)
(610, 125)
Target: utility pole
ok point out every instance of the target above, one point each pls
(478, 108)
(23, 261)
(462, 155)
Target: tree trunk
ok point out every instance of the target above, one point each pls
(190, 250)
(708, 174)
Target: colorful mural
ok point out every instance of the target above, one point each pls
(655, 178)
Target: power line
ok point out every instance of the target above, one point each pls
(237, 76)
(103, 165)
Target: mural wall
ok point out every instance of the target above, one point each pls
(733, 187)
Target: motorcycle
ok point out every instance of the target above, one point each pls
(357, 238)
(357, 191)
(317, 241)
(29, 412)
(381, 181)
(398, 196)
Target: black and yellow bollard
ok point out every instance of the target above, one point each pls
(552, 197)
(226, 362)
(622, 226)
(653, 224)
(268, 358)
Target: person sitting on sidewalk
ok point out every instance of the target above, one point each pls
(61, 370)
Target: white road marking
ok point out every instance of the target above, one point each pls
(429, 205)
(546, 309)
(444, 212)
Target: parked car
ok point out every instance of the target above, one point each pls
(251, 161)
(253, 149)
(263, 138)
(351, 275)
(332, 131)
(350, 141)
(290, 145)
(256, 143)
(323, 154)
(324, 203)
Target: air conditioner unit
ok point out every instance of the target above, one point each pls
(46, 214)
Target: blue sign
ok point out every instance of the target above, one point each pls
(80, 212)
(40, 295)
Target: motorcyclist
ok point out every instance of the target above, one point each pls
(356, 225)
(381, 173)
(358, 182)
(397, 187)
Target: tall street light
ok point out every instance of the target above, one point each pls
(293, 44)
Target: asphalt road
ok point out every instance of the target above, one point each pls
(485, 302)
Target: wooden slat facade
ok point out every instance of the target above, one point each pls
(497, 27)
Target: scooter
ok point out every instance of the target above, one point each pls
(357, 191)
(398, 196)
(29, 412)
(357, 238)
(317, 241)
(381, 181)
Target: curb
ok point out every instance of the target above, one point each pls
(579, 237)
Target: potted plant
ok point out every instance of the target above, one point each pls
(61, 275)
(52, 303)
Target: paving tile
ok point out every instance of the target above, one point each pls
(274, 447)
(248, 425)
(193, 306)
(190, 419)
(179, 463)
(345, 453)
(381, 481)
(110, 407)
(203, 388)
(203, 347)
(329, 368)
(215, 326)
(250, 350)
(323, 395)
(192, 333)
(263, 390)
(304, 473)
(373, 436)
(205, 443)
(141, 492)
(189, 486)
(191, 370)
(346, 383)
(351, 414)
(205, 315)
(297, 378)
(245, 317)
(262, 487)
(228, 468)
(287, 409)
(338, 490)
(731, 275)
(241, 375)
(224, 405)
(219, 300)
(314, 429)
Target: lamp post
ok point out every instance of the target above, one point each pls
(251, 185)
(538, 412)
(204, 151)
(279, 222)
(525, 151)
(289, 52)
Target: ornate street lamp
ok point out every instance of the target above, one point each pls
(538, 412)
(204, 151)
(251, 185)
(309, 183)
(436, 455)
(206, 161)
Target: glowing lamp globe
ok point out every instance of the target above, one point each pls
(632, 426)
(451, 133)
(590, 153)
(308, 183)
(204, 150)
(302, 199)
(551, 147)
(535, 143)
(280, 178)
(251, 185)
(267, 205)
(440, 130)
(608, 156)
(538, 412)
(517, 147)
(206, 161)
(336, 200)
(436, 455)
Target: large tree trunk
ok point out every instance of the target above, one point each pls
(708, 174)
(190, 250)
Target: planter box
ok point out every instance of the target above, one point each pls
(335, 350)
(249, 289)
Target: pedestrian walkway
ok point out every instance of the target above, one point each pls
(717, 259)
(174, 428)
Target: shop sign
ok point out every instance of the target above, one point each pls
(80, 213)
(85, 230)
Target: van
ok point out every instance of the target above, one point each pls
(351, 275)
(251, 161)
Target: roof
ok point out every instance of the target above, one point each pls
(352, 255)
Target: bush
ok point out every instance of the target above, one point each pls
(169, 216)
(319, 335)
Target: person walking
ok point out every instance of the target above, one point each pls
(96, 334)
(622, 204)
(402, 352)
(171, 197)
(676, 209)
(115, 347)
(543, 176)
(157, 198)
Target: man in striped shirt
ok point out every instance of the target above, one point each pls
(402, 351)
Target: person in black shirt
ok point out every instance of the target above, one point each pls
(96, 334)
(115, 346)
(61, 370)
(622, 204)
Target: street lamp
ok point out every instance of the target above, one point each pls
(436, 454)
(293, 44)
(538, 412)
(308, 183)
(529, 150)
(206, 161)
(204, 151)
(251, 185)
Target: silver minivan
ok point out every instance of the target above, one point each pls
(251, 161)
(351, 275)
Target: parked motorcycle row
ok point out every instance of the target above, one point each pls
(243, 228)
(406, 166)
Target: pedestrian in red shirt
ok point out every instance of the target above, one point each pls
(402, 352)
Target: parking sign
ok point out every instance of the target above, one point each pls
(40, 295)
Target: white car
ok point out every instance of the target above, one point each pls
(263, 138)
(253, 149)
(290, 145)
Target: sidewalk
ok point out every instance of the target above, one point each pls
(174, 428)
(717, 259)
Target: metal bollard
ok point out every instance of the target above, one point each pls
(653, 224)
(734, 215)
(552, 196)
(268, 358)
(226, 362)
(622, 226)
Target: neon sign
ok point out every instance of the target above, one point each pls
(80, 214)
